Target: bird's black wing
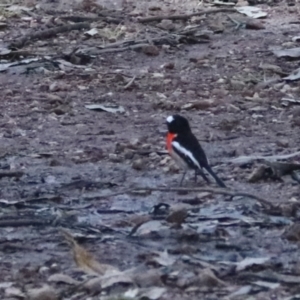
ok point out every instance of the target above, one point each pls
(188, 147)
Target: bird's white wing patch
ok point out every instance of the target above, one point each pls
(186, 152)
(170, 119)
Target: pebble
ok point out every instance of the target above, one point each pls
(138, 164)
(282, 143)
(114, 157)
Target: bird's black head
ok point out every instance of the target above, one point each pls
(178, 124)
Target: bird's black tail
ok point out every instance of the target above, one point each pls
(214, 175)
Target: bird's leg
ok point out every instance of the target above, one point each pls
(195, 178)
(182, 178)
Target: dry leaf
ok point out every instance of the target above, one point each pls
(62, 278)
(149, 227)
(295, 75)
(164, 259)
(14, 292)
(152, 293)
(96, 285)
(85, 260)
(112, 108)
(208, 278)
(44, 293)
(250, 261)
(252, 11)
(293, 52)
(148, 278)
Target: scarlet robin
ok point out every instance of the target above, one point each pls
(185, 149)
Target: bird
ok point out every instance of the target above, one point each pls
(184, 148)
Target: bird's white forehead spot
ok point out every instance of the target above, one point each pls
(170, 119)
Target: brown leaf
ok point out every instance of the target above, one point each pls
(85, 260)
(177, 215)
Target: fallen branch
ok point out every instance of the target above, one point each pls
(187, 16)
(219, 191)
(45, 34)
(209, 190)
(248, 159)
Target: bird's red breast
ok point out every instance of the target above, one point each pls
(170, 138)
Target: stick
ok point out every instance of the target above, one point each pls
(248, 159)
(45, 34)
(187, 16)
(209, 190)
(23, 222)
(11, 174)
(130, 83)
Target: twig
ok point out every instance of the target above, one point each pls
(23, 222)
(209, 190)
(47, 34)
(130, 83)
(78, 19)
(248, 159)
(11, 174)
(187, 16)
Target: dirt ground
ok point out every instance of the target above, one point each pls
(101, 176)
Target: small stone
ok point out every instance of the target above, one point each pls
(150, 50)
(296, 112)
(166, 25)
(120, 147)
(54, 163)
(138, 164)
(153, 155)
(146, 147)
(44, 270)
(193, 59)
(221, 80)
(203, 195)
(135, 142)
(154, 8)
(169, 65)
(114, 157)
(237, 84)
(282, 143)
(8, 92)
(174, 168)
(177, 216)
(164, 161)
(129, 154)
(166, 169)
(286, 88)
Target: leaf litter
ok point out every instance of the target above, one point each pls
(103, 177)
